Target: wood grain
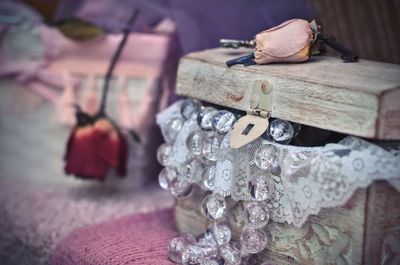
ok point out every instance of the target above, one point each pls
(382, 222)
(389, 113)
(324, 92)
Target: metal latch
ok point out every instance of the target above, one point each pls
(255, 123)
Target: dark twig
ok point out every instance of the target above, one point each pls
(114, 60)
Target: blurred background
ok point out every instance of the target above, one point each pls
(55, 54)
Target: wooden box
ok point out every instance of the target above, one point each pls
(361, 99)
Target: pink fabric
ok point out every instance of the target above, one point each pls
(137, 239)
(52, 62)
(101, 49)
(35, 215)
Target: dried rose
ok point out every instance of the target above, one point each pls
(94, 147)
(292, 41)
(287, 42)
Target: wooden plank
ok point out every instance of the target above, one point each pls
(323, 92)
(382, 229)
(389, 113)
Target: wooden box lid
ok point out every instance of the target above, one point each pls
(361, 99)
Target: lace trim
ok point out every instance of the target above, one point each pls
(311, 178)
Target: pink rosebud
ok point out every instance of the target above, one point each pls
(287, 42)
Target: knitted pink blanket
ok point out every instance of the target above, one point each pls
(137, 239)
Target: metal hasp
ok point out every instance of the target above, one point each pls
(255, 123)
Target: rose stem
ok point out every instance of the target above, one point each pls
(114, 60)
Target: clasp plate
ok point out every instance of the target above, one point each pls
(255, 123)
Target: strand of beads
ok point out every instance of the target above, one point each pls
(215, 246)
(256, 215)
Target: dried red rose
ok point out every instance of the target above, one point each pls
(94, 147)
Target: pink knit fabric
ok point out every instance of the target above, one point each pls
(136, 239)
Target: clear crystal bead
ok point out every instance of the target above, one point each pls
(195, 143)
(166, 175)
(256, 215)
(231, 254)
(192, 170)
(281, 131)
(190, 108)
(205, 117)
(267, 158)
(208, 178)
(267, 136)
(174, 125)
(211, 148)
(180, 188)
(177, 245)
(163, 153)
(192, 255)
(221, 232)
(260, 187)
(214, 206)
(253, 240)
(206, 240)
(297, 128)
(223, 121)
(169, 179)
(212, 261)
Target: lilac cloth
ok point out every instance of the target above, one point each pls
(137, 239)
(200, 24)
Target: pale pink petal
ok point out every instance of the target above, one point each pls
(282, 43)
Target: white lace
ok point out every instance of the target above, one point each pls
(311, 178)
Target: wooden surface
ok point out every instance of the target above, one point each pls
(382, 230)
(359, 99)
